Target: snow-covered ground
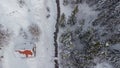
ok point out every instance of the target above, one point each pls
(17, 14)
(103, 65)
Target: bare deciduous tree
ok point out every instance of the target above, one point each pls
(4, 36)
(34, 30)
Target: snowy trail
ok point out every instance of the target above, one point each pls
(45, 49)
(38, 15)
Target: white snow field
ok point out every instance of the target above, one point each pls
(17, 14)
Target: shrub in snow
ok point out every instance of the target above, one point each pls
(4, 36)
(21, 3)
(34, 31)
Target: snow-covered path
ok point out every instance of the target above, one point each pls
(45, 50)
(33, 12)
